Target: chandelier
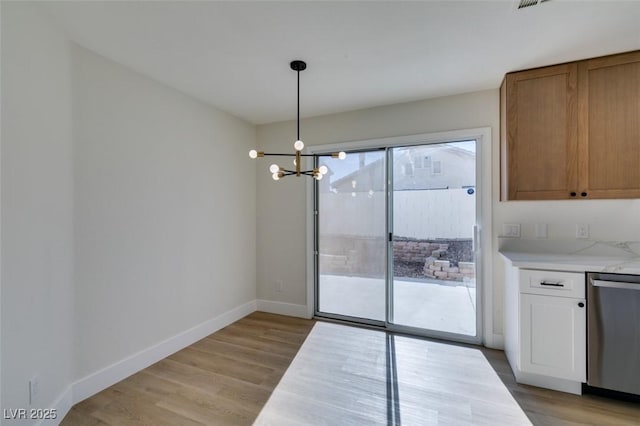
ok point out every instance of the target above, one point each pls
(278, 172)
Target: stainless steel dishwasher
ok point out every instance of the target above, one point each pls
(613, 332)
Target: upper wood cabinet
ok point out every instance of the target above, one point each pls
(572, 131)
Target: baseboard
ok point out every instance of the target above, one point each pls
(562, 385)
(282, 308)
(62, 405)
(102, 379)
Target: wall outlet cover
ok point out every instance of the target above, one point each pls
(541, 230)
(582, 230)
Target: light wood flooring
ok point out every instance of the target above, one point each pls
(223, 379)
(228, 377)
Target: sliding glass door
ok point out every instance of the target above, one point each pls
(352, 240)
(433, 198)
(394, 239)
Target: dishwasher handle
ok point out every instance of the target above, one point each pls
(616, 284)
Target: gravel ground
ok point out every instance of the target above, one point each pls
(408, 270)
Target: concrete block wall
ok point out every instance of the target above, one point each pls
(442, 270)
(444, 259)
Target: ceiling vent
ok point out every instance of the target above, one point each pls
(528, 3)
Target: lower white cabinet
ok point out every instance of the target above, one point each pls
(553, 336)
(546, 328)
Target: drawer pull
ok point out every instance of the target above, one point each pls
(552, 284)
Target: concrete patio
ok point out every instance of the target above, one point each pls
(432, 304)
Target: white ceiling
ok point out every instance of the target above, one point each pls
(235, 55)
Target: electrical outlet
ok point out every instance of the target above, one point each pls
(511, 230)
(279, 286)
(541, 230)
(582, 230)
(34, 389)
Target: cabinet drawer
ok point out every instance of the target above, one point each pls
(552, 283)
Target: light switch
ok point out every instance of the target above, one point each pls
(511, 230)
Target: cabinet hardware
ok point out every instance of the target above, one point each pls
(552, 284)
(581, 305)
(584, 194)
(573, 194)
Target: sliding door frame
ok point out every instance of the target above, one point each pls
(418, 331)
(315, 250)
(482, 238)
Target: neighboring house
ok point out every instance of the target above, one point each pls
(436, 166)
(368, 177)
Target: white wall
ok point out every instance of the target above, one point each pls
(37, 209)
(165, 212)
(281, 205)
(128, 215)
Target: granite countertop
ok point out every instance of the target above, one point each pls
(622, 257)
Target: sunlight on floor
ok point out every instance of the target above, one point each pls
(349, 375)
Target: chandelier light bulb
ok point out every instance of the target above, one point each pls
(318, 176)
(275, 176)
(253, 153)
(323, 170)
(299, 145)
(342, 155)
(295, 163)
(274, 168)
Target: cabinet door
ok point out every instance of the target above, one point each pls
(539, 143)
(609, 126)
(553, 336)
